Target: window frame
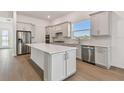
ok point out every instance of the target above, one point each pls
(81, 37)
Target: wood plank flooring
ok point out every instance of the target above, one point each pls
(21, 68)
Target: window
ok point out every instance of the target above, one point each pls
(5, 38)
(81, 29)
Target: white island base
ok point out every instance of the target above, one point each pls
(57, 65)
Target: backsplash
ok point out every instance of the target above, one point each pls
(105, 41)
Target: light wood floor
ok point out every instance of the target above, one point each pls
(21, 68)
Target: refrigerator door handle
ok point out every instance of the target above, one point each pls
(89, 55)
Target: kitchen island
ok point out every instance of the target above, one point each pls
(57, 62)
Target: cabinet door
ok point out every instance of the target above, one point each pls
(100, 24)
(20, 26)
(101, 54)
(104, 23)
(33, 30)
(24, 27)
(27, 27)
(70, 62)
(52, 34)
(78, 52)
(66, 29)
(94, 25)
(58, 66)
(49, 30)
(58, 28)
(52, 31)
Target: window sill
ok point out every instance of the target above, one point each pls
(81, 38)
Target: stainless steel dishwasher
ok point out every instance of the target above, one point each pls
(88, 54)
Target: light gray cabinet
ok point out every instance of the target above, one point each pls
(50, 30)
(63, 64)
(101, 56)
(64, 28)
(70, 62)
(78, 53)
(26, 27)
(58, 67)
(100, 24)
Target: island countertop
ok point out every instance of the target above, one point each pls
(50, 48)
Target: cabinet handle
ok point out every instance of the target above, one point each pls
(89, 55)
(64, 56)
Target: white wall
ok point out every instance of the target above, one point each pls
(6, 14)
(118, 39)
(39, 26)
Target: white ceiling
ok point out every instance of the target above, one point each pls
(44, 14)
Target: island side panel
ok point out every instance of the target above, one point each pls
(38, 57)
(43, 60)
(47, 67)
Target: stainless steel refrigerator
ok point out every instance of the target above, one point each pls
(23, 38)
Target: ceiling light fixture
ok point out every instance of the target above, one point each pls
(48, 17)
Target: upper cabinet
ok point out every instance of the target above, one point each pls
(100, 24)
(50, 30)
(26, 27)
(64, 28)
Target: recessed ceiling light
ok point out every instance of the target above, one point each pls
(48, 16)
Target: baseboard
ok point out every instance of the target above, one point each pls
(116, 67)
(78, 59)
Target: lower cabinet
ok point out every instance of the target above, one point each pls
(63, 65)
(58, 66)
(101, 56)
(78, 53)
(70, 62)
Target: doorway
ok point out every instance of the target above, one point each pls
(6, 34)
(4, 38)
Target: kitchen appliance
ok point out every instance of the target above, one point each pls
(23, 38)
(47, 38)
(88, 54)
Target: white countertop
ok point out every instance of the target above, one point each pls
(50, 48)
(97, 45)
